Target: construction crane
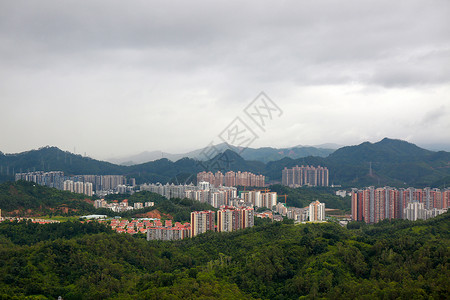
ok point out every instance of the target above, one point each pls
(285, 198)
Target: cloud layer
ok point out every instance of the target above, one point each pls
(114, 77)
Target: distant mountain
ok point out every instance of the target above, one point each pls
(52, 158)
(264, 154)
(386, 150)
(330, 146)
(272, 154)
(162, 170)
(387, 162)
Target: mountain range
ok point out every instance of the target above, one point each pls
(387, 162)
(264, 154)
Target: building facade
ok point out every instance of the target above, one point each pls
(201, 222)
(305, 175)
(372, 205)
(316, 211)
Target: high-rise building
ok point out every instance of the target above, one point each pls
(204, 185)
(375, 204)
(218, 179)
(269, 199)
(231, 218)
(316, 211)
(231, 179)
(88, 189)
(415, 211)
(305, 175)
(68, 186)
(78, 187)
(228, 219)
(357, 205)
(206, 177)
(247, 217)
(201, 221)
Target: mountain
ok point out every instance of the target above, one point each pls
(387, 162)
(331, 146)
(264, 154)
(268, 154)
(386, 150)
(52, 158)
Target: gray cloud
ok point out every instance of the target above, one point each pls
(140, 70)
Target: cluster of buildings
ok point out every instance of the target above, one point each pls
(315, 212)
(168, 232)
(216, 197)
(78, 187)
(82, 184)
(305, 175)
(232, 179)
(52, 179)
(122, 206)
(130, 227)
(259, 198)
(372, 205)
(229, 218)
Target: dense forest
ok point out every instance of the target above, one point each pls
(30, 199)
(389, 260)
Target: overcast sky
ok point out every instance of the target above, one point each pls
(120, 77)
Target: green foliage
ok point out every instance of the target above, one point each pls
(394, 162)
(29, 198)
(389, 260)
(303, 196)
(41, 200)
(28, 233)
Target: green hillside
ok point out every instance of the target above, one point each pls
(399, 260)
(29, 199)
(387, 162)
(393, 162)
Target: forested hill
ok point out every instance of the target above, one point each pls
(398, 260)
(54, 159)
(29, 199)
(387, 162)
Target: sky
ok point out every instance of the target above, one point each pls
(112, 78)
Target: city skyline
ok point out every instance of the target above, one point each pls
(112, 78)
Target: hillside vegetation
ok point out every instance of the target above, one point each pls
(27, 199)
(399, 260)
(392, 162)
